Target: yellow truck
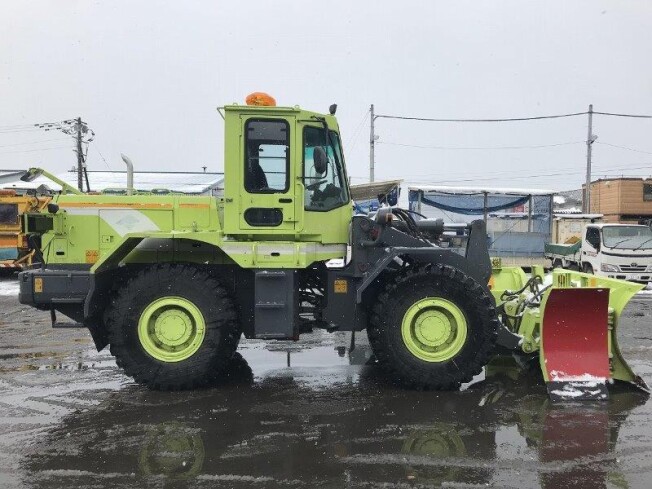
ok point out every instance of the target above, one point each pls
(15, 252)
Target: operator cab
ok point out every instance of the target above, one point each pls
(285, 176)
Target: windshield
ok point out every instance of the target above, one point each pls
(327, 190)
(630, 237)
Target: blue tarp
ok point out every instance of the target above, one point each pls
(508, 235)
(467, 204)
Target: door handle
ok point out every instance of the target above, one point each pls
(284, 200)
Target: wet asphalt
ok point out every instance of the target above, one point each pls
(307, 414)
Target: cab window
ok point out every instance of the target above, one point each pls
(593, 237)
(267, 156)
(326, 188)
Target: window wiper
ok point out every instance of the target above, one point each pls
(641, 245)
(621, 241)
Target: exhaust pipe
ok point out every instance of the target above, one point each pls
(130, 174)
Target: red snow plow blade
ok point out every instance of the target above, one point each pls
(575, 343)
(571, 319)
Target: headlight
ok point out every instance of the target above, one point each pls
(649, 268)
(609, 268)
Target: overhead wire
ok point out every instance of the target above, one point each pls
(33, 150)
(493, 176)
(101, 156)
(512, 119)
(613, 114)
(480, 147)
(623, 147)
(507, 119)
(356, 133)
(33, 142)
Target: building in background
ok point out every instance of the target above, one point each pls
(625, 200)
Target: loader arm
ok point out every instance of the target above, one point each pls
(33, 173)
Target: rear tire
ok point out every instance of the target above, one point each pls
(433, 328)
(173, 327)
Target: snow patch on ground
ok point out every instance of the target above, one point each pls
(9, 287)
(647, 290)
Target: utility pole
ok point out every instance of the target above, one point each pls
(80, 156)
(78, 130)
(590, 138)
(372, 142)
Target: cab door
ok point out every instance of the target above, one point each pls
(267, 200)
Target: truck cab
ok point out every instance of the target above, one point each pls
(622, 251)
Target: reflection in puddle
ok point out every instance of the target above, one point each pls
(48, 360)
(281, 425)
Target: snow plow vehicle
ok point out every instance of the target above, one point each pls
(171, 282)
(15, 251)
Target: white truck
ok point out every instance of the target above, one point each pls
(621, 251)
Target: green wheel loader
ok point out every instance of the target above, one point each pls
(171, 282)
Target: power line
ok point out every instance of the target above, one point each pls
(493, 175)
(33, 150)
(635, 116)
(481, 147)
(16, 126)
(47, 126)
(34, 142)
(358, 128)
(509, 119)
(512, 119)
(625, 147)
(14, 131)
(101, 156)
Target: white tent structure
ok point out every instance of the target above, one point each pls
(194, 183)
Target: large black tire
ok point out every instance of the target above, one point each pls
(433, 281)
(214, 353)
(587, 268)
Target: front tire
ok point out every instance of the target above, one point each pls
(433, 328)
(173, 327)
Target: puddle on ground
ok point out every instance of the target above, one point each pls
(55, 360)
(270, 425)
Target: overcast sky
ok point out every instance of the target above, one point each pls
(148, 75)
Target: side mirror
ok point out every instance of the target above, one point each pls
(320, 160)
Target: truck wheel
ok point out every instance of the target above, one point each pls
(587, 268)
(172, 327)
(433, 328)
